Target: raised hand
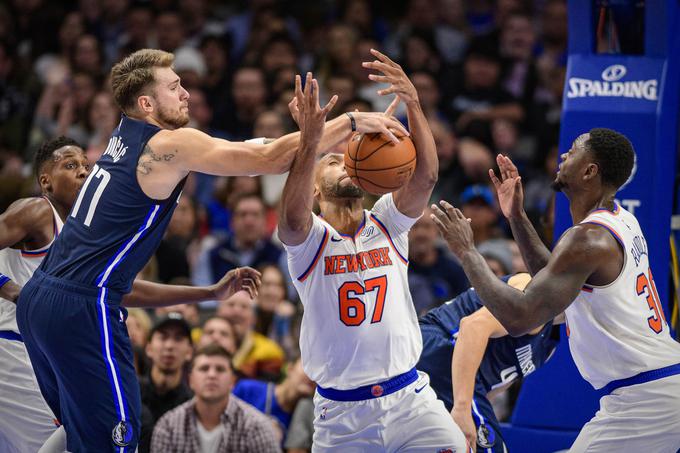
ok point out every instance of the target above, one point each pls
(508, 188)
(239, 279)
(393, 74)
(454, 227)
(311, 118)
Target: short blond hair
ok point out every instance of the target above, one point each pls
(131, 76)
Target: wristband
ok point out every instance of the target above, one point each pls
(3, 279)
(352, 122)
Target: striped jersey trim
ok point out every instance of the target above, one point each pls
(317, 255)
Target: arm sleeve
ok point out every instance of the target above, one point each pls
(302, 257)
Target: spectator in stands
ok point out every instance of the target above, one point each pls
(218, 330)
(102, 118)
(169, 349)
(189, 312)
(257, 356)
(248, 245)
(179, 247)
(277, 400)
(478, 204)
(443, 276)
(274, 312)
(139, 326)
(498, 256)
(301, 428)
(249, 95)
(170, 31)
(214, 420)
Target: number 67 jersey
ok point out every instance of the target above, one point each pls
(113, 227)
(359, 325)
(619, 330)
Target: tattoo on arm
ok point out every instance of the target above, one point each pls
(148, 157)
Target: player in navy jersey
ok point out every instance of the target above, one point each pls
(469, 356)
(68, 313)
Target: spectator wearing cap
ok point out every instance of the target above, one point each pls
(434, 274)
(478, 205)
(214, 420)
(169, 349)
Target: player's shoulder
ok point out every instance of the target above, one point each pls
(178, 138)
(30, 210)
(586, 241)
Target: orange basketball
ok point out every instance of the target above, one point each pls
(377, 165)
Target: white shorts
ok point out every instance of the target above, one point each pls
(638, 418)
(26, 421)
(409, 420)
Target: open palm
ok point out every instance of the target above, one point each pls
(509, 187)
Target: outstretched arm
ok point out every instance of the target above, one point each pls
(297, 199)
(22, 221)
(473, 336)
(511, 200)
(148, 294)
(411, 199)
(578, 255)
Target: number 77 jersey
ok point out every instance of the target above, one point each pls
(619, 330)
(113, 227)
(359, 324)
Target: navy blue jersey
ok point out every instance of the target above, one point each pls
(506, 358)
(114, 227)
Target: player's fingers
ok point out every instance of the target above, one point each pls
(379, 78)
(298, 90)
(382, 57)
(440, 225)
(330, 104)
(393, 123)
(315, 93)
(389, 111)
(440, 214)
(379, 66)
(389, 134)
(386, 91)
(492, 175)
(308, 86)
(448, 208)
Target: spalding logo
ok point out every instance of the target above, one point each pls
(614, 72)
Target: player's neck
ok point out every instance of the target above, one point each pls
(60, 208)
(582, 205)
(164, 381)
(345, 214)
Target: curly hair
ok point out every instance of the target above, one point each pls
(613, 153)
(47, 149)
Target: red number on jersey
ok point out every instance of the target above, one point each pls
(647, 286)
(352, 309)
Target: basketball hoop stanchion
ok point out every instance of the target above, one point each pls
(637, 95)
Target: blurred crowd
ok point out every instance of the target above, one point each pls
(489, 76)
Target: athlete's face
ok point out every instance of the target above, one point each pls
(170, 99)
(218, 330)
(332, 180)
(169, 348)
(574, 165)
(62, 178)
(211, 378)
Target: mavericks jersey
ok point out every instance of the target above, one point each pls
(505, 358)
(19, 265)
(619, 330)
(359, 325)
(114, 227)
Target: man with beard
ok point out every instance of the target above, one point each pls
(68, 313)
(360, 339)
(599, 274)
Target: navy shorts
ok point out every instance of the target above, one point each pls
(435, 360)
(80, 350)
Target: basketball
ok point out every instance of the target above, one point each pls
(377, 165)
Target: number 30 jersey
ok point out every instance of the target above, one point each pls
(619, 330)
(113, 227)
(359, 325)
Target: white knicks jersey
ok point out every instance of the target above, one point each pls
(19, 265)
(359, 325)
(619, 330)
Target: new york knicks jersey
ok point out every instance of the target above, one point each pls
(114, 227)
(505, 358)
(619, 330)
(359, 324)
(19, 265)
